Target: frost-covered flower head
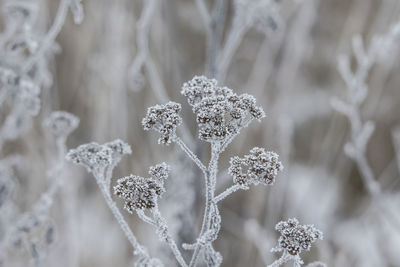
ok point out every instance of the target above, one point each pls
(220, 112)
(295, 237)
(259, 166)
(21, 11)
(261, 14)
(118, 148)
(61, 123)
(92, 156)
(142, 193)
(163, 119)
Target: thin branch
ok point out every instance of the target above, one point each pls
(144, 58)
(282, 260)
(191, 155)
(138, 249)
(203, 13)
(50, 36)
(145, 218)
(228, 191)
(210, 178)
(161, 225)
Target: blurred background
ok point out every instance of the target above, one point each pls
(325, 72)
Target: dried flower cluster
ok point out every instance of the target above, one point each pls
(96, 157)
(295, 237)
(118, 148)
(164, 119)
(92, 156)
(220, 112)
(257, 167)
(141, 193)
(61, 123)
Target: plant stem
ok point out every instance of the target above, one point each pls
(227, 192)
(50, 36)
(159, 220)
(210, 178)
(282, 260)
(138, 249)
(191, 155)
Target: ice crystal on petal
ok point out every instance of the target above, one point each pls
(257, 167)
(92, 156)
(139, 192)
(164, 119)
(61, 123)
(295, 237)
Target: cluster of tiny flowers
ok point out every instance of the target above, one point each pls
(295, 237)
(92, 156)
(257, 167)
(164, 119)
(139, 192)
(160, 172)
(61, 123)
(118, 148)
(220, 112)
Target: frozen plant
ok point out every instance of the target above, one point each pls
(100, 160)
(141, 194)
(35, 228)
(221, 115)
(263, 15)
(294, 239)
(357, 92)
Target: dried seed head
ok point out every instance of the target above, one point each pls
(93, 156)
(119, 148)
(198, 88)
(220, 112)
(61, 123)
(160, 171)
(257, 167)
(163, 119)
(295, 237)
(142, 193)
